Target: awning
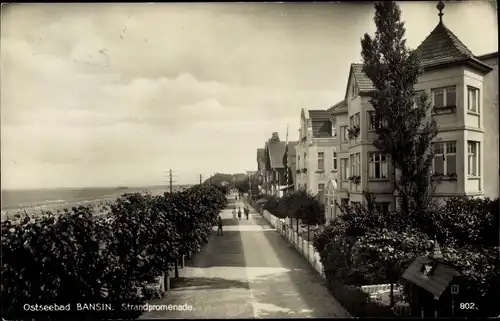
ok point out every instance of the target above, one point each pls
(284, 188)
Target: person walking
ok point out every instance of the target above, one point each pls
(219, 226)
(239, 213)
(247, 212)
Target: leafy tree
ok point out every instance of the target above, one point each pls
(407, 127)
(248, 185)
(309, 209)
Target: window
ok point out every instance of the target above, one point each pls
(343, 133)
(372, 122)
(355, 164)
(445, 159)
(473, 159)
(377, 166)
(416, 97)
(321, 161)
(334, 127)
(334, 161)
(444, 97)
(382, 207)
(473, 99)
(321, 192)
(344, 168)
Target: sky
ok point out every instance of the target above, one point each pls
(117, 94)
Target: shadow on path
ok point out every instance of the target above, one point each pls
(207, 283)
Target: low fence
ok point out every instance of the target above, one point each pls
(306, 249)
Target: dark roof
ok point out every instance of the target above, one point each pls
(291, 148)
(442, 47)
(261, 154)
(488, 56)
(276, 152)
(364, 83)
(322, 128)
(438, 280)
(318, 115)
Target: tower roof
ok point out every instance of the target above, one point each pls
(442, 47)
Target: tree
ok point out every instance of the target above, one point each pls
(308, 209)
(274, 137)
(407, 127)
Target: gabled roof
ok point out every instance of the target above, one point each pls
(442, 47)
(364, 83)
(356, 73)
(276, 151)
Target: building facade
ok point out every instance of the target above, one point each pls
(463, 90)
(316, 156)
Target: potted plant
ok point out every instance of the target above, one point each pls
(353, 132)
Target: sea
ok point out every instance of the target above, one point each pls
(32, 200)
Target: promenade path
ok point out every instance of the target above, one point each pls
(249, 272)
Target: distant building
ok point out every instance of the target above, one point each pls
(274, 178)
(316, 157)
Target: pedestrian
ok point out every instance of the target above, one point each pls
(219, 224)
(234, 212)
(239, 213)
(247, 212)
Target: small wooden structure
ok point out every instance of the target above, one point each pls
(434, 285)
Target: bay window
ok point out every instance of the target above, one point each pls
(473, 159)
(377, 166)
(444, 97)
(472, 99)
(445, 159)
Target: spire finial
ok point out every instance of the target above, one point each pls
(440, 7)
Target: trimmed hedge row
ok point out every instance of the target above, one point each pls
(80, 258)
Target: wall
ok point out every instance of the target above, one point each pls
(490, 170)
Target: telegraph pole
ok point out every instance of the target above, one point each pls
(201, 178)
(170, 180)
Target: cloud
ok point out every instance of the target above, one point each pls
(114, 93)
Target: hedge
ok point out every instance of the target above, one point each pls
(82, 258)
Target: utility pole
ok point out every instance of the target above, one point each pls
(171, 187)
(201, 177)
(170, 180)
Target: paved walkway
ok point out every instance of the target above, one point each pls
(249, 272)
